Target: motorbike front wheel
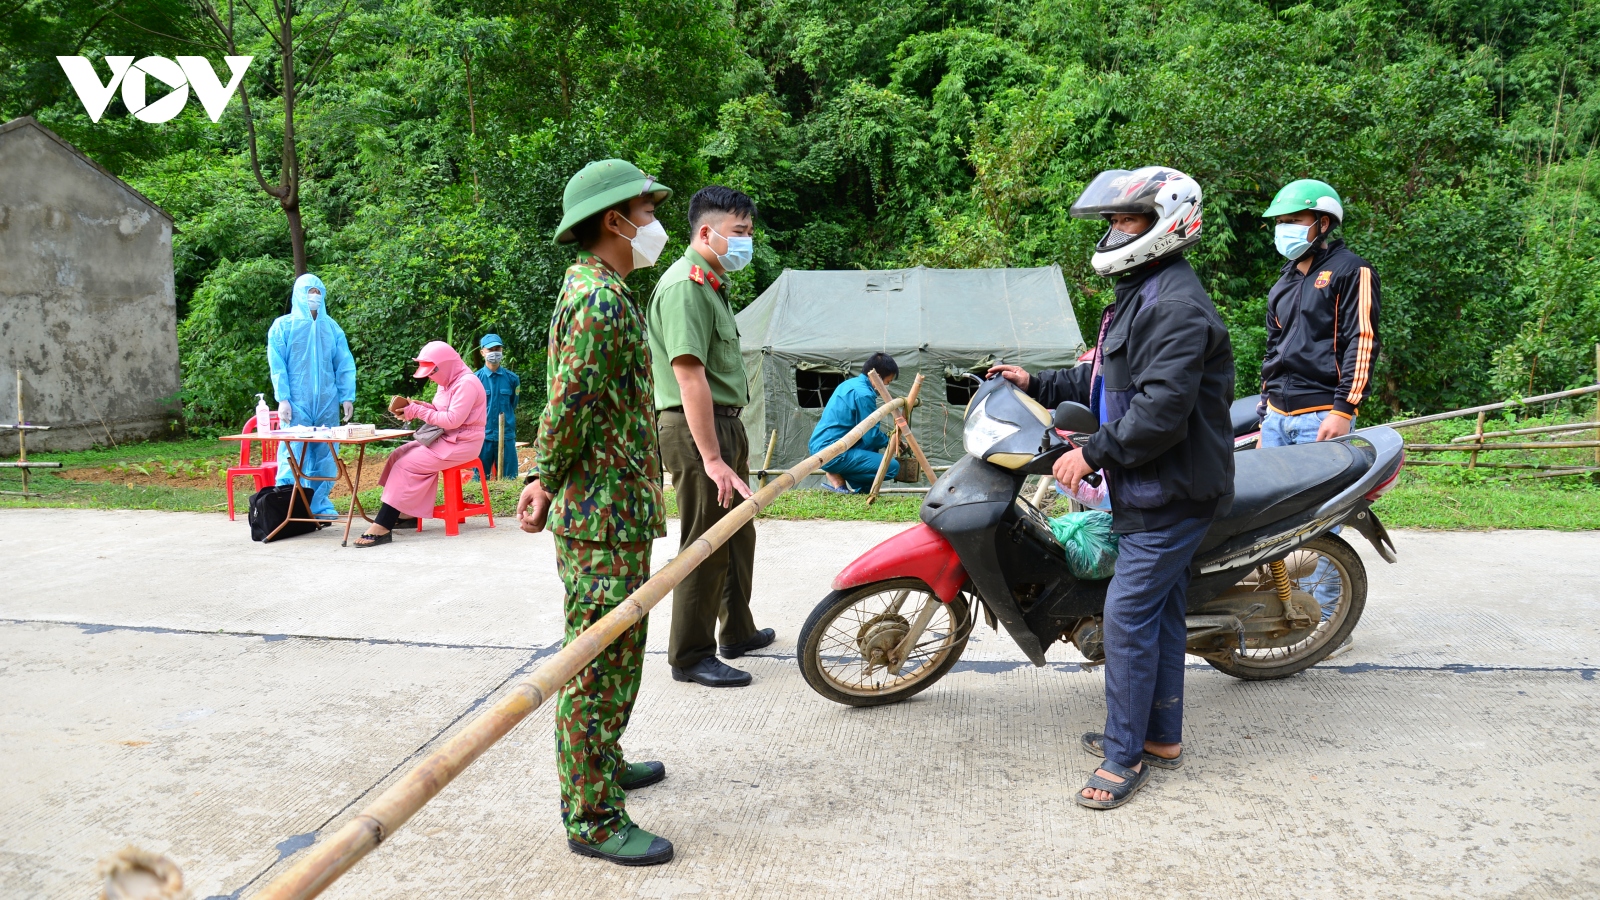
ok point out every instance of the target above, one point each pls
(851, 646)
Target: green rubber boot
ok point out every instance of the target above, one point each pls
(641, 774)
(631, 846)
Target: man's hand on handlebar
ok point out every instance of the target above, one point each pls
(1070, 469)
(1017, 375)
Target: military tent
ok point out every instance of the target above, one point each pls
(810, 330)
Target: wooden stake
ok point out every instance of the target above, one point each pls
(1473, 463)
(1597, 404)
(500, 459)
(766, 463)
(329, 859)
(22, 436)
(900, 420)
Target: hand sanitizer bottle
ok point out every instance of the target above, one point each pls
(263, 416)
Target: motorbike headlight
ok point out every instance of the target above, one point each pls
(982, 432)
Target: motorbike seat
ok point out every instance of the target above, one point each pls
(1274, 483)
(1243, 413)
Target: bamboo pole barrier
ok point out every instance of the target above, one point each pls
(500, 459)
(1527, 445)
(1597, 404)
(1542, 429)
(1045, 482)
(329, 859)
(1580, 470)
(1491, 407)
(889, 453)
(900, 420)
(1488, 465)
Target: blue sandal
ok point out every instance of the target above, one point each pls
(1095, 743)
(1120, 792)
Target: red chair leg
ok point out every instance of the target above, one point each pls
(230, 499)
(488, 507)
(452, 502)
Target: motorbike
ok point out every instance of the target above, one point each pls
(1272, 591)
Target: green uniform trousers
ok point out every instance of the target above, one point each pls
(592, 709)
(719, 588)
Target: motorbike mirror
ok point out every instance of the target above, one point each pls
(1075, 417)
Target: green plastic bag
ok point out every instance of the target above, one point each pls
(1089, 541)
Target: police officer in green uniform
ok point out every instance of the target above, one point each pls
(700, 392)
(596, 481)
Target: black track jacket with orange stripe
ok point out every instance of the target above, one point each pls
(1322, 335)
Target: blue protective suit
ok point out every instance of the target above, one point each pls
(502, 389)
(313, 372)
(852, 402)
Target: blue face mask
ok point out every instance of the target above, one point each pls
(1292, 240)
(740, 251)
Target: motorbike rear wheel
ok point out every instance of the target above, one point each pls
(1345, 569)
(845, 640)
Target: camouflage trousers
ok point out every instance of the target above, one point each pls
(592, 709)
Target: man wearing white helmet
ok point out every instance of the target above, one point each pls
(1161, 383)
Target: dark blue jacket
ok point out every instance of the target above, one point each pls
(850, 405)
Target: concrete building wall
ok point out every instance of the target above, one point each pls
(86, 298)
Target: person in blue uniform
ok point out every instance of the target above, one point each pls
(313, 376)
(852, 402)
(502, 387)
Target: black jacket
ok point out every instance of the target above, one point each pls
(1167, 367)
(1322, 334)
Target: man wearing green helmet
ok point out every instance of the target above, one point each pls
(597, 478)
(1322, 335)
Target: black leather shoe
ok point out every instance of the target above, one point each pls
(758, 640)
(712, 672)
(640, 774)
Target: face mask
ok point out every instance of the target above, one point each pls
(1292, 240)
(648, 242)
(494, 356)
(740, 251)
(313, 301)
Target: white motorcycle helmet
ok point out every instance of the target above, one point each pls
(1169, 196)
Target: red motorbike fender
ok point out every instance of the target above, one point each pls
(919, 552)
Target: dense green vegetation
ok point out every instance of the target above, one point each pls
(433, 140)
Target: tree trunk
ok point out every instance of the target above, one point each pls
(290, 176)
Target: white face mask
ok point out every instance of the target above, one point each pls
(740, 252)
(648, 242)
(494, 356)
(313, 301)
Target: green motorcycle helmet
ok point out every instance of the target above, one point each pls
(1306, 194)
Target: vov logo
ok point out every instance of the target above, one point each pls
(187, 72)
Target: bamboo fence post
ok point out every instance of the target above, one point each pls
(889, 453)
(772, 444)
(1597, 404)
(500, 458)
(900, 420)
(327, 860)
(1044, 487)
(1490, 407)
(1473, 463)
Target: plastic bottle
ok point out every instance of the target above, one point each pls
(263, 416)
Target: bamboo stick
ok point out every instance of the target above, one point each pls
(326, 861)
(1473, 464)
(1491, 407)
(900, 420)
(772, 444)
(500, 458)
(1482, 465)
(889, 454)
(1542, 429)
(1044, 488)
(1597, 402)
(1530, 445)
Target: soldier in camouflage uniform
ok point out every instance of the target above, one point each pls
(597, 480)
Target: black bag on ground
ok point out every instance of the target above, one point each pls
(270, 506)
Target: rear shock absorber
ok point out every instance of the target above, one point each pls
(1280, 581)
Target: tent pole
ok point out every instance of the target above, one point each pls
(772, 444)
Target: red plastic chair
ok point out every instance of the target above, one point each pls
(266, 472)
(455, 509)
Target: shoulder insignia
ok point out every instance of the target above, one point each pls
(701, 276)
(1323, 279)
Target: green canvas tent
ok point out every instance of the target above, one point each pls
(810, 330)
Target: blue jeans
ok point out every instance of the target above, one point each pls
(1144, 638)
(858, 467)
(1278, 430)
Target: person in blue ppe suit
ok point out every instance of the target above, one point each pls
(503, 389)
(852, 402)
(313, 376)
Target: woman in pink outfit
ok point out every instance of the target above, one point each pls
(411, 475)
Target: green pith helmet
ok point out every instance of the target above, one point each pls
(600, 186)
(1307, 193)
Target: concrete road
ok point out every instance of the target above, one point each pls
(167, 683)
